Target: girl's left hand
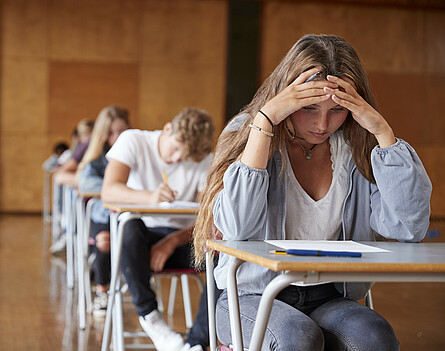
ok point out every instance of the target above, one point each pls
(361, 111)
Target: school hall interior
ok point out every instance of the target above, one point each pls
(62, 61)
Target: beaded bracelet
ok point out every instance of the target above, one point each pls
(266, 118)
(269, 134)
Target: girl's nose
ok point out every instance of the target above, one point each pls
(322, 122)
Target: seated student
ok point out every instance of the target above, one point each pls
(52, 162)
(134, 175)
(110, 123)
(66, 174)
(311, 158)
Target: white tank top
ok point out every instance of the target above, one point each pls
(307, 219)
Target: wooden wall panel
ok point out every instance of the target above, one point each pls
(24, 27)
(435, 42)
(165, 90)
(24, 96)
(181, 31)
(283, 23)
(81, 90)
(183, 59)
(94, 30)
(21, 182)
(387, 39)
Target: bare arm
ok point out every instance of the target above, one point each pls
(115, 189)
(163, 249)
(68, 166)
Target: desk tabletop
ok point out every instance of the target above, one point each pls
(403, 257)
(87, 194)
(149, 209)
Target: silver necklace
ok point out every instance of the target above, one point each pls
(306, 152)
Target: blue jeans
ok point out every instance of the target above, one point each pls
(310, 318)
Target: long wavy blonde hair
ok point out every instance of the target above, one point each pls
(335, 57)
(100, 133)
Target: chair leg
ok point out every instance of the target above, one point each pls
(368, 300)
(158, 288)
(172, 295)
(187, 303)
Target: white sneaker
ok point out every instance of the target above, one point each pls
(187, 347)
(59, 245)
(164, 338)
(100, 304)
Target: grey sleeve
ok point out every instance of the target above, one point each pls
(400, 199)
(240, 210)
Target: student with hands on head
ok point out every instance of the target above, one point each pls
(311, 158)
(137, 163)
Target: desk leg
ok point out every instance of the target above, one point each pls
(80, 261)
(117, 236)
(55, 214)
(234, 312)
(273, 288)
(85, 243)
(211, 300)
(69, 215)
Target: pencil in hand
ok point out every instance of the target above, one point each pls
(164, 176)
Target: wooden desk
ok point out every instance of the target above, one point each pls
(120, 215)
(406, 262)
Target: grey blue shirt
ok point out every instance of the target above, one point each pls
(252, 206)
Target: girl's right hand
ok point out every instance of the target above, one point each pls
(297, 95)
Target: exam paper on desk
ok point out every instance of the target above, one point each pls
(325, 245)
(179, 204)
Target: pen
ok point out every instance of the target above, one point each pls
(298, 252)
(164, 176)
(312, 77)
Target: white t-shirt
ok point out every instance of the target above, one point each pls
(139, 150)
(307, 219)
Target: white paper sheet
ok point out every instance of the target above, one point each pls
(179, 204)
(325, 245)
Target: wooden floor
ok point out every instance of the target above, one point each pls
(38, 312)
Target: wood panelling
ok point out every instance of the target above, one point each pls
(24, 95)
(166, 89)
(24, 28)
(435, 42)
(21, 179)
(283, 23)
(94, 30)
(388, 40)
(393, 93)
(81, 89)
(177, 32)
(183, 60)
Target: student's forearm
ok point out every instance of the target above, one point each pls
(183, 236)
(119, 192)
(256, 153)
(68, 166)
